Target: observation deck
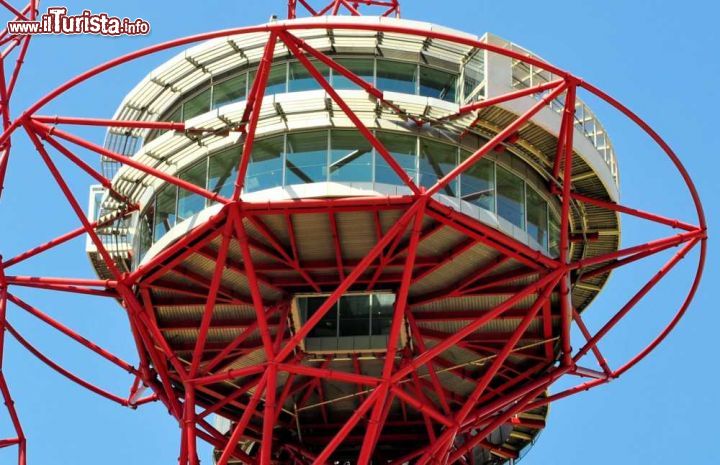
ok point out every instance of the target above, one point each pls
(324, 195)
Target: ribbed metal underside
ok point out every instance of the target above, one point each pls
(437, 311)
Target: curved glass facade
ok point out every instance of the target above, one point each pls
(291, 76)
(345, 156)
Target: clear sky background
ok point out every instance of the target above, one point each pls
(659, 57)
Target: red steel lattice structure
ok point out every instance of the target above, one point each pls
(353, 7)
(193, 381)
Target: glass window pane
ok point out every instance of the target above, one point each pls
(229, 91)
(477, 184)
(437, 160)
(165, 204)
(350, 157)
(223, 169)
(175, 115)
(277, 80)
(327, 326)
(554, 236)
(511, 198)
(197, 105)
(438, 84)
(396, 77)
(190, 203)
(300, 79)
(364, 68)
(265, 167)
(145, 227)
(404, 151)
(382, 313)
(537, 222)
(355, 315)
(474, 76)
(306, 159)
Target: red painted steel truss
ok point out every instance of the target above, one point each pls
(353, 7)
(189, 380)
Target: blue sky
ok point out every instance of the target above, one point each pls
(658, 57)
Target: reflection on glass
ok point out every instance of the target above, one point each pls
(437, 160)
(477, 184)
(554, 237)
(197, 105)
(327, 326)
(175, 115)
(382, 314)
(276, 83)
(396, 77)
(229, 91)
(265, 167)
(511, 197)
(344, 155)
(300, 79)
(306, 159)
(537, 217)
(144, 231)
(223, 170)
(354, 315)
(350, 157)
(474, 76)
(363, 68)
(190, 203)
(404, 150)
(165, 204)
(438, 84)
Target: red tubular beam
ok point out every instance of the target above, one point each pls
(253, 107)
(174, 254)
(659, 244)
(447, 438)
(401, 304)
(106, 183)
(351, 278)
(289, 41)
(488, 235)
(74, 204)
(636, 298)
(73, 335)
(360, 82)
(269, 416)
(325, 373)
(635, 212)
(495, 141)
(596, 350)
(240, 427)
(64, 238)
(347, 427)
(228, 375)
(422, 407)
(234, 344)
(254, 286)
(470, 328)
(47, 131)
(625, 261)
(110, 123)
(465, 109)
(87, 385)
(501, 419)
(209, 309)
(282, 27)
(676, 319)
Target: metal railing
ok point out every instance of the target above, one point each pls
(525, 75)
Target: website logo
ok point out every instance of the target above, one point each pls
(57, 22)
